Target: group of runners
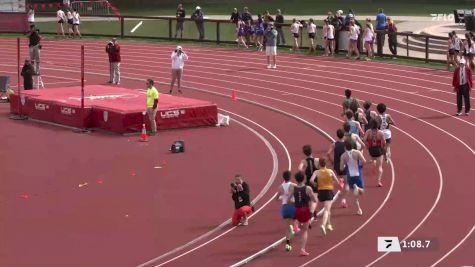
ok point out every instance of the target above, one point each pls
(72, 18)
(458, 49)
(316, 181)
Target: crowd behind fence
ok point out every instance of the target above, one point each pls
(223, 32)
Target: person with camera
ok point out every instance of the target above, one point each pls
(27, 72)
(242, 203)
(271, 46)
(113, 50)
(34, 47)
(180, 19)
(178, 62)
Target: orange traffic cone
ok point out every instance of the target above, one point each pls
(233, 95)
(144, 136)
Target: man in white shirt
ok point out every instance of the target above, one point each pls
(178, 62)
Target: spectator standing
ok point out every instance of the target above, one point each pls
(380, 27)
(295, 30)
(113, 50)
(392, 37)
(178, 62)
(76, 23)
(312, 32)
(235, 17)
(180, 19)
(152, 104)
(462, 83)
(279, 19)
(271, 46)
(31, 16)
(69, 17)
(27, 72)
(242, 201)
(247, 18)
(34, 47)
(198, 17)
(61, 18)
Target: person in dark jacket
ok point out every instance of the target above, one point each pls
(198, 17)
(180, 19)
(242, 201)
(27, 72)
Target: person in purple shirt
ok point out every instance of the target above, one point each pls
(380, 27)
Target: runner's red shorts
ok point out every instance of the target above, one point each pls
(303, 214)
(239, 214)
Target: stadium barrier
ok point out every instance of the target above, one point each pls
(222, 32)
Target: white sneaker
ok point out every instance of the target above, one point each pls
(355, 190)
(269, 66)
(274, 66)
(245, 222)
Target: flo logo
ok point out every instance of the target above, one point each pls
(442, 17)
(171, 113)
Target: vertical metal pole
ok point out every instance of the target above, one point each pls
(170, 34)
(121, 27)
(217, 33)
(18, 77)
(427, 49)
(82, 76)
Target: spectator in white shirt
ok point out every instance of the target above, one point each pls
(61, 17)
(312, 31)
(178, 62)
(31, 16)
(295, 29)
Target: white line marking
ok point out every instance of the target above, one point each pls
(441, 184)
(272, 178)
(454, 248)
(273, 245)
(136, 27)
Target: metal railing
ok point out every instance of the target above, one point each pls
(416, 46)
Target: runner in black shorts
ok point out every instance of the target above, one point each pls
(334, 154)
(308, 166)
(376, 143)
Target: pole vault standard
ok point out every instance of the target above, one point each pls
(82, 77)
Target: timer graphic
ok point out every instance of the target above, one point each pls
(393, 244)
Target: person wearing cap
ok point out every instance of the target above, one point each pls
(113, 50)
(462, 83)
(178, 62)
(271, 46)
(198, 17)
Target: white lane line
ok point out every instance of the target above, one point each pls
(441, 184)
(454, 248)
(136, 27)
(270, 181)
(278, 242)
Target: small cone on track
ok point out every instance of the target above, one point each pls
(233, 95)
(143, 135)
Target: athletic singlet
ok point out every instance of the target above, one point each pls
(331, 32)
(354, 32)
(301, 197)
(456, 41)
(325, 179)
(367, 114)
(385, 126)
(369, 35)
(337, 152)
(374, 141)
(352, 164)
(310, 167)
(76, 18)
(285, 195)
(451, 44)
(69, 15)
(353, 128)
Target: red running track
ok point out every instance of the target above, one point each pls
(426, 193)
